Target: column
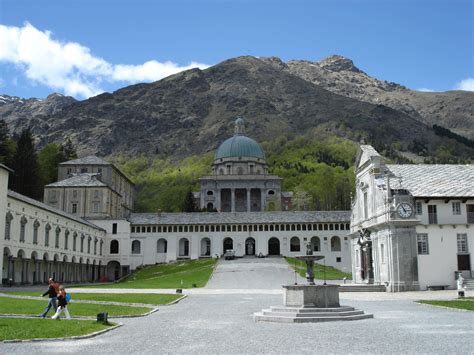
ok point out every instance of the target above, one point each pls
(248, 200)
(26, 268)
(218, 200)
(262, 200)
(12, 269)
(37, 272)
(232, 200)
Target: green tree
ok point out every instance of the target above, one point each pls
(189, 204)
(7, 145)
(25, 178)
(69, 150)
(49, 158)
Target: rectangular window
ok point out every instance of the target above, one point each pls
(456, 207)
(96, 193)
(338, 259)
(74, 194)
(462, 243)
(74, 208)
(418, 208)
(422, 241)
(114, 228)
(470, 213)
(95, 207)
(432, 215)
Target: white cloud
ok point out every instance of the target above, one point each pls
(466, 84)
(69, 66)
(425, 90)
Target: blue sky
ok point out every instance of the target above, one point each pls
(85, 47)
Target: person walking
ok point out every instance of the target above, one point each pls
(52, 302)
(62, 304)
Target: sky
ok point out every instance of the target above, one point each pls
(84, 47)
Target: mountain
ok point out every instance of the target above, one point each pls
(22, 113)
(453, 109)
(193, 111)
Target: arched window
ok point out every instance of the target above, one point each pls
(183, 247)
(66, 239)
(162, 246)
(335, 244)
(210, 193)
(316, 244)
(271, 192)
(295, 244)
(36, 225)
(47, 228)
(114, 247)
(8, 224)
(23, 222)
(136, 247)
(56, 240)
(210, 206)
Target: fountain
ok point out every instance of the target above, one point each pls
(310, 302)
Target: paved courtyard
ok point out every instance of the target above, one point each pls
(217, 321)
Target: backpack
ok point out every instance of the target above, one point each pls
(68, 297)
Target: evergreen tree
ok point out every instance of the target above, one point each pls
(25, 178)
(7, 145)
(189, 203)
(69, 150)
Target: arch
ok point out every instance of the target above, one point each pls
(250, 246)
(56, 257)
(46, 257)
(183, 247)
(227, 244)
(335, 243)
(271, 192)
(210, 206)
(74, 260)
(205, 247)
(274, 246)
(210, 193)
(34, 255)
(7, 252)
(162, 245)
(65, 259)
(114, 246)
(295, 244)
(20, 254)
(316, 244)
(136, 247)
(113, 270)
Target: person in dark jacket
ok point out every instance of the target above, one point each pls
(53, 298)
(62, 304)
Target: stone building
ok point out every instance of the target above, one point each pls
(411, 225)
(240, 181)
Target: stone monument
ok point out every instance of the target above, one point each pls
(310, 302)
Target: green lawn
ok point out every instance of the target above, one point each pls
(145, 298)
(331, 273)
(182, 274)
(11, 328)
(467, 304)
(32, 307)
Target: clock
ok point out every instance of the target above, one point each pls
(404, 210)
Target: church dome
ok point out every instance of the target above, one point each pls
(239, 145)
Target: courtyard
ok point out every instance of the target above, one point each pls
(218, 319)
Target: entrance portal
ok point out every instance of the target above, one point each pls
(228, 244)
(250, 246)
(273, 246)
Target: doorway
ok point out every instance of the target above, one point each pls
(250, 246)
(273, 246)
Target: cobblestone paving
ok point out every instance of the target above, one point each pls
(219, 320)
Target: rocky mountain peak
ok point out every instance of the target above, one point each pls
(337, 63)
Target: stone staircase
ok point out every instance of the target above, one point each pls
(469, 284)
(284, 314)
(361, 288)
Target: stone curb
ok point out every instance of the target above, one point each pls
(176, 301)
(444, 307)
(75, 337)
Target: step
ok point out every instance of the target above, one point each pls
(310, 309)
(281, 319)
(361, 288)
(311, 315)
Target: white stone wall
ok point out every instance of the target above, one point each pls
(27, 252)
(149, 254)
(3, 205)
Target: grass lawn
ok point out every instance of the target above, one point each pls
(33, 307)
(182, 274)
(11, 328)
(467, 304)
(331, 273)
(145, 298)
